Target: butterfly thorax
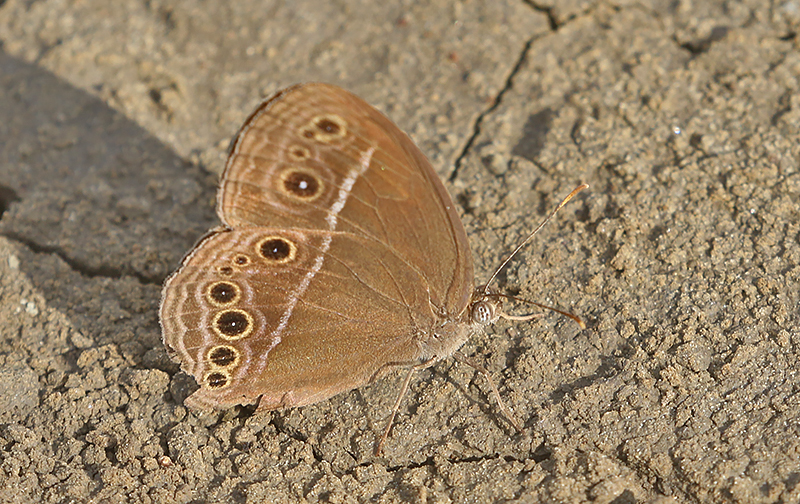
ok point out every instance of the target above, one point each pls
(449, 333)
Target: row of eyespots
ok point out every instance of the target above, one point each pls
(324, 129)
(233, 323)
(220, 358)
(302, 183)
(274, 249)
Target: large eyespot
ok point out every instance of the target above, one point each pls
(276, 249)
(223, 293)
(217, 379)
(302, 184)
(222, 356)
(232, 325)
(325, 128)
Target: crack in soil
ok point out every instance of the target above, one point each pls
(476, 129)
(104, 271)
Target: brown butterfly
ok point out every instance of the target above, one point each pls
(340, 257)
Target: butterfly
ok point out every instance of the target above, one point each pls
(340, 257)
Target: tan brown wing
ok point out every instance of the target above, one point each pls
(290, 317)
(341, 252)
(315, 150)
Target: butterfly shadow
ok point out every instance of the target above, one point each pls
(414, 400)
(95, 210)
(484, 400)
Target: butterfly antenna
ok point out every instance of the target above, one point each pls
(530, 237)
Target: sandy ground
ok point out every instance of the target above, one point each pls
(683, 258)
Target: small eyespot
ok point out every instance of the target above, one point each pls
(216, 380)
(232, 324)
(223, 293)
(325, 128)
(276, 249)
(301, 184)
(241, 260)
(299, 153)
(222, 356)
(225, 271)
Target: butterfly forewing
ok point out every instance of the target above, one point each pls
(323, 133)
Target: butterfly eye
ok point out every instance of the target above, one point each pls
(483, 312)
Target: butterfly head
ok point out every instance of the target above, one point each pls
(486, 306)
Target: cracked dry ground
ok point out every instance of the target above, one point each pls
(684, 259)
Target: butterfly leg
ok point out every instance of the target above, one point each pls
(460, 357)
(385, 368)
(403, 390)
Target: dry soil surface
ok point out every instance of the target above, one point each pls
(683, 258)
